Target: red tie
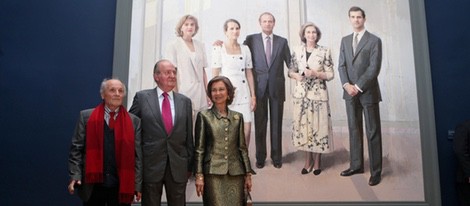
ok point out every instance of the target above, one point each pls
(166, 113)
(111, 120)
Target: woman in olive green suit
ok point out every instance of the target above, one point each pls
(223, 168)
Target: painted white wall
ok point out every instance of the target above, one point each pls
(154, 21)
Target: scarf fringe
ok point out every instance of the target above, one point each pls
(126, 198)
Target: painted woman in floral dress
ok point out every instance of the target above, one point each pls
(311, 67)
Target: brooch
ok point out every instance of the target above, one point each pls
(236, 117)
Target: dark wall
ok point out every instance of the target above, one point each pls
(53, 56)
(449, 45)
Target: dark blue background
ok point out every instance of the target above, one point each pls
(54, 54)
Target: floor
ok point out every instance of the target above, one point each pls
(402, 178)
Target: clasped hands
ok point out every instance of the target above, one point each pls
(351, 89)
(311, 73)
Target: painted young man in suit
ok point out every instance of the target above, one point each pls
(105, 160)
(167, 138)
(359, 65)
(269, 53)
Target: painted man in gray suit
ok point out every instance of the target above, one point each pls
(269, 53)
(167, 138)
(359, 65)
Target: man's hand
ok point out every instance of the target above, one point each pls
(218, 43)
(351, 90)
(209, 102)
(71, 186)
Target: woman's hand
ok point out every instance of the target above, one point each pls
(253, 103)
(313, 74)
(199, 184)
(296, 76)
(310, 73)
(248, 183)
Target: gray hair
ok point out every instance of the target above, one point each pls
(105, 81)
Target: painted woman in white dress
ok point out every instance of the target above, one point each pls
(189, 57)
(311, 67)
(233, 60)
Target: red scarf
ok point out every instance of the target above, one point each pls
(124, 147)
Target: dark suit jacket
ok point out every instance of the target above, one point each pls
(221, 147)
(157, 145)
(363, 67)
(269, 77)
(462, 151)
(77, 154)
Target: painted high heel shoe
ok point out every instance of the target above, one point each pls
(317, 171)
(305, 171)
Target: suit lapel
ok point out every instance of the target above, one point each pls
(154, 105)
(260, 46)
(361, 44)
(276, 49)
(188, 53)
(178, 104)
(303, 58)
(348, 45)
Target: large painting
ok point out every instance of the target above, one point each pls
(409, 175)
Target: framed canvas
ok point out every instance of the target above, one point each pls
(410, 166)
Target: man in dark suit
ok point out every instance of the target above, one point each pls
(269, 53)
(167, 138)
(105, 160)
(462, 152)
(359, 65)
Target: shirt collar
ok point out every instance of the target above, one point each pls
(160, 93)
(217, 114)
(108, 110)
(265, 35)
(360, 34)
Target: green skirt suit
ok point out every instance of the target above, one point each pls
(222, 156)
